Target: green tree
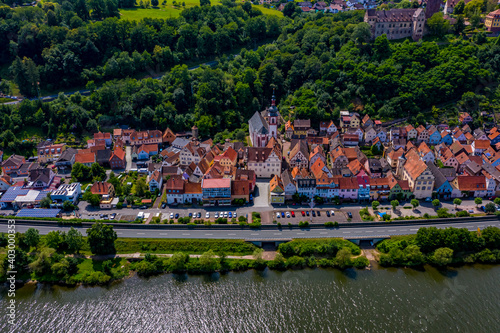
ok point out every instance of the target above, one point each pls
(394, 204)
(459, 8)
(209, 261)
(32, 237)
(438, 26)
(68, 206)
(60, 269)
(42, 263)
(459, 25)
(205, 3)
(436, 203)
(54, 239)
(375, 204)
(97, 172)
(289, 9)
(46, 201)
(442, 256)
(457, 202)
(74, 239)
(361, 33)
(415, 203)
(92, 199)
(489, 208)
(154, 3)
(343, 258)
(101, 238)
(381, 47)
(478, 201)
(178, 262)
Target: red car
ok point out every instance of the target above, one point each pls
(303, 213)
(293, 213)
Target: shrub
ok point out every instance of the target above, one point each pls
(296, 262)
(361, 262)
(279, 224)
(462, 213)
(329, 224)
(304, 224)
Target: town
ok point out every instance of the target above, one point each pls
(354, 159)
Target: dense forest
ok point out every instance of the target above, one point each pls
(64, 44)
(318, 64)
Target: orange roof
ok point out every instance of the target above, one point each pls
(415, 168)
(117, 132)
(424, 149)
(118, 152)
(317, 167)
(148, 148)
(276, 182)
(471, 183)
(409, 128)
(192, 188)
(462, 158)
(355, 166)
(348, 183)
(216, 183)
(231, 154)
(101, 188)
(395, 154)
(481, 144)
(85, 158)
(240, 187)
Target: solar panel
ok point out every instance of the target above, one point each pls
(37, 212)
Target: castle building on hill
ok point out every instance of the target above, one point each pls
(401, 23)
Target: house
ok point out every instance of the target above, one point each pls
(67, 192)
(448, 159)
(492, 21)
(327, 127)
(190, 153)
(393, 156)
(288, 184)
(464, 118)
(411, 132)
(419, 177)
(155, 181)
(422, 134)
(398, 189)
(305, 182)
(299, 154)
(264, 162)
(363, 187)
(379, 189)
(145, 151)
(49, 152)
(373, 168)
(434, 137)
(471, 186)
(367, 121)
(192, 192)
(102, 157)
(216, 192)
(348, 188)
(228, 158)
(459, 136)
(448, 9)
(168, 136)
(276, 191)
(117, 159)
(426, 153)
(85, 158)
(66, 159)
(350, 139)
(12, 164)
(370, 134)
(40, 178)
(317, 153)
(153, 137)
(103, 188)
(301, 128)
(174, 190)
(479, 146)
(5, 183)
(446, 138)
(494, 136)
(106, 137)
(442, 186)
(246, 175)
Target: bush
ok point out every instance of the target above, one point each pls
(296, 262)
(319, 247)
(361, 262)
(462, 213)
(304, 224)
(329, 224)
(279, 224)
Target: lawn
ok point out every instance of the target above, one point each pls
(168, 11)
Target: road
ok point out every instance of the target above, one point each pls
(259, 234)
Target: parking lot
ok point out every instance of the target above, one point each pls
(312, 216)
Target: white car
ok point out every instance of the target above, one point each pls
(288, 214)
(332, 212)
(221, 214)
(216, 215)
(234, 215)
(278, 215)
(207, 215)
(225, 214)
(171, 215)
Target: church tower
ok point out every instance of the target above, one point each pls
(272, 118)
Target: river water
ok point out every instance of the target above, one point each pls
(465, 299)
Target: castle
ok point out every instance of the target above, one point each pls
(401, 23)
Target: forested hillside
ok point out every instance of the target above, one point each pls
(318, 64)
(65, 44)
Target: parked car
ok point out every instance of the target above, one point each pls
(349, 214)
(190, 214)
(235, 215)
(303, 213)
(293, 213)
(207, 215)
(230, 214)
(332, 212)
(221, 214)
(163, 205)
(283, 214)
(328, 213)
(319, 213)
(199, 215)
(313, 213)
(177, 215)
(216, 215)
(225, 214)
(307, 212)
(112, 217)
(171, 215)
(428, 199)
(288, 214)
(278, 215)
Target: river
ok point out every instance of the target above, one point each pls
(465, 299)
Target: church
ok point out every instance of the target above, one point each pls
(264, 125)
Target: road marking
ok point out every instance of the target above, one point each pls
(346, 232)
(140, 233)
(323, 233)
(208, 234)
(369, 231)
(185, 234)
(231, 234)
(279, 233)
(392, 230)
(413, 229)
(163, 234)
(300, 233)
(254, 234)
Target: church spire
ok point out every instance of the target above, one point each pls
(273, 99)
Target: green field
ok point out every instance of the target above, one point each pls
(168, 11)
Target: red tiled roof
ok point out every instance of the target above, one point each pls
(216, 183)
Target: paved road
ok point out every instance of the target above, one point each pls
(285, 233)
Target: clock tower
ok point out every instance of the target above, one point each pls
(272, 118)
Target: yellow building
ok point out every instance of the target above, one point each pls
(277, 191)
(492, 21)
